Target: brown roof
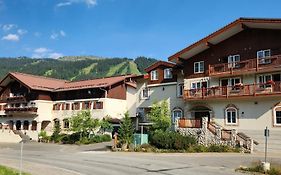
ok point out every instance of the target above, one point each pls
(159, 63)
(37, 82)
(224, 33)
(51, 84)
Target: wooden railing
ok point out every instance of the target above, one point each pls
(239, 90)
(212, 127)
(225, 134)
(21, 109)
(189, 123)
(245, 66)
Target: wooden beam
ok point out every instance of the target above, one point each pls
(181, 59)
(244, 26)
(209, 44)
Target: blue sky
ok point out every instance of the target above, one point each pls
(117, 28)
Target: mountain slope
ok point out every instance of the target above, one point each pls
(75, 68)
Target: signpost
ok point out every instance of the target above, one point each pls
(266, 135)
(21, 152)
(265, 164)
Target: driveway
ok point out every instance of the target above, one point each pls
(46, 159)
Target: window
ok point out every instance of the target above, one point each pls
(177, 114)
(87, 105)
(99, 105)
(231, 82)
(263, 55)
(180, 90)
(145, 93)
(231, 115)
(76, 106)
(199, 67)
(65, 123)
(154, 75)
(67, 106)
(277, 115)
(263, 81)
(168, 73)
(199, 84)
(233, 61)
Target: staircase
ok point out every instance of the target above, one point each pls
(274, 140)
(22, 135)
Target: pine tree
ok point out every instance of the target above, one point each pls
(126, 131)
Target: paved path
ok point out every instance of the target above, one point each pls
(46, 159)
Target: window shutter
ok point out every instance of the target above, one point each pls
(54, 107)
(101, 105)
(83, 105)
(62, 108)
(72, 106)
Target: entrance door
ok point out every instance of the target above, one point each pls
(276, 78)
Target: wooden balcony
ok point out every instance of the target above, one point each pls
(268, 64)
(189, 123)
(21, 110)
(16, 99)
(225, 92)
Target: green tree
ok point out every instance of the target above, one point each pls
(126, 131)
(56, 132)
(159, 115)
(105, 125)
(83, 123)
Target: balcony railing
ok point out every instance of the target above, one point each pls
(251, 65)
(239, 90)
(16, 99)
(189, 123)
(26, 109)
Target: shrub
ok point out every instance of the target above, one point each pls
(44, 137)
(171, 140)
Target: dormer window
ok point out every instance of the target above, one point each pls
(168, 73)
(154, 75)
(263, 55)
(199, 67)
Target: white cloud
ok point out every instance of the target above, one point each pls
(55, 55)
(89, 3)
(21, 31)
(7, 27)
(62, 33)
(11, 37)
(43, 52)
(56, 35)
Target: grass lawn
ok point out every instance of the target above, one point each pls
(9, 171)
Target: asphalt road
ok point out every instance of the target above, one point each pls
(51, 159)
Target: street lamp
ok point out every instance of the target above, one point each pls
(24, 140)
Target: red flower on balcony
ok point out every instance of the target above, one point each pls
(270, 82)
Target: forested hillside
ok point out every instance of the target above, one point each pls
(76, 67)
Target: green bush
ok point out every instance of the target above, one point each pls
(44, 137)
(171, 140)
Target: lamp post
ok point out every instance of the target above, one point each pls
(21, 152)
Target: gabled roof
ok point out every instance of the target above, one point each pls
(159, 63)
(51, 84)
(33, 81)
(224, 33)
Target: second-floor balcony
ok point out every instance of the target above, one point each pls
(267, 64)
(223, 92)
(22, 110)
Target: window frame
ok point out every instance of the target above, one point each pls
(166, 74)
(232, 63)
(275, 117)
(262, 59)
(173, 114)
(199, 63)
(142, 93)
(154, 75)
(226, 116)
(180, 90)
(64, 124)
